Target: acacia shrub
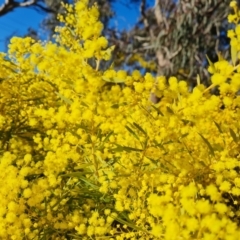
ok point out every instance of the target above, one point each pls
(83, 157)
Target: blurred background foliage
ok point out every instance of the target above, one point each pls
(172, 38)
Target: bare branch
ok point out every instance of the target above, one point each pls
(27, 3)
(10, 5)
(45, 9)
(145, 20)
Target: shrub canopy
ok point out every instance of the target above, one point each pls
(86, 155)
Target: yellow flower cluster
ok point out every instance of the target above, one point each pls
(86, 155)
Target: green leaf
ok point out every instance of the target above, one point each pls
(88, 182)
(211, 64)
(108, 52)
(116, 105)
(9, 68)
(114, 80)
(218, 127)
(152, 160)
(76, 174)
(185, 121)
(158, 144)
(120, 148)
(220, 56)
(168, 142)
(68, 101)
(198, 80)
(218, 147)
(117, 80)
(107, 79)
(82, 166)
(132, 132)
(202, 163)
(129, 224)
(139, 128)
(71, 31)
(234, 54)
(70, 82)
(208, 144)
(158, 111)
(84, 104)
(184, 135)
(189, 152)
(145, 144)
(170, 110)
(233, 135)
(83, 127)
(108, 136)
(124, 175)
(50, 83)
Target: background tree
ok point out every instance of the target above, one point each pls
(177, 35)
(47, 6)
